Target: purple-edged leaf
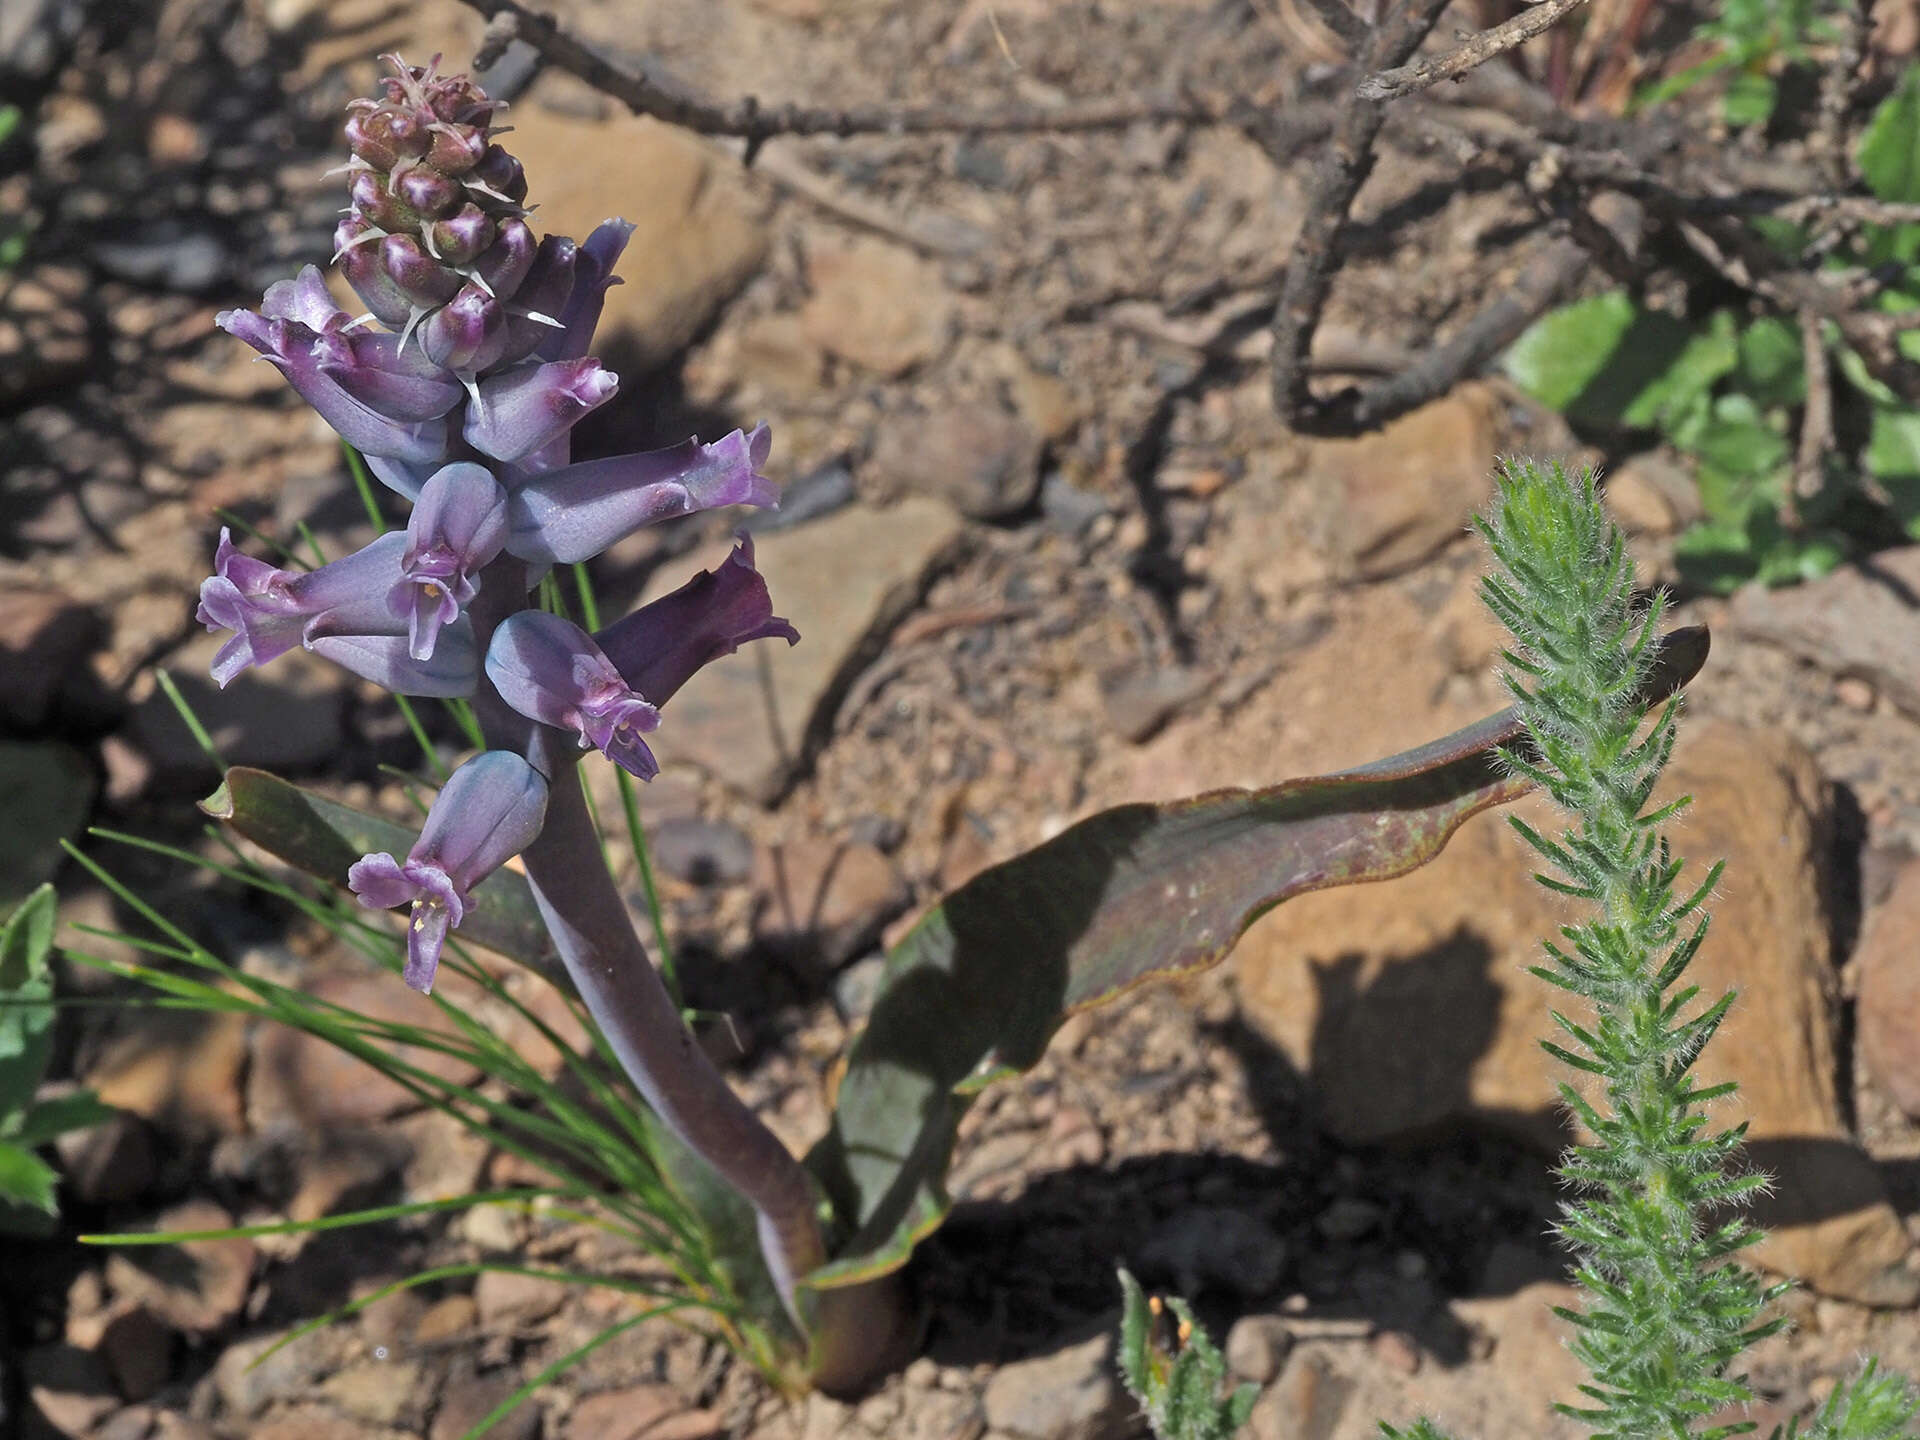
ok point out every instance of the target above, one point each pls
(1133, 894)
(325, 839)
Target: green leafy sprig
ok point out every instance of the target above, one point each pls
(1655, 1221)
(1179, 1388)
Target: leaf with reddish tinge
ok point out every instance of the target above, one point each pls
(1133, 894)
(323, 838)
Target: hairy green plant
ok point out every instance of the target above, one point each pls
(1178, 1386)
(1654, 1221)
(1728, 388)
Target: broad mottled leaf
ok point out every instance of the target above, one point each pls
(1133, 894)
(323, 838)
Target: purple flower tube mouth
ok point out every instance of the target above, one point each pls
(490, 810)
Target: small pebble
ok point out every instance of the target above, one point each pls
(1855, 693)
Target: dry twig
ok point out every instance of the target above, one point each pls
(1407, 79)
(1816, 422)
(651, 91)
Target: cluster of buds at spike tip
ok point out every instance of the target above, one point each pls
(464, 404)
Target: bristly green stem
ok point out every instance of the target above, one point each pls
(1666, 1312)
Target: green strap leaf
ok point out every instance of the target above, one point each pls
(324, 837)
(26, 1001)
(1131, 895)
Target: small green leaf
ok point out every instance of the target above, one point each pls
(1714, 557)
(26, 995)
(81, 1110)
(1750, 99)
(1597, 360)
(1772, 362)
(1889, 152)
(27, 1180)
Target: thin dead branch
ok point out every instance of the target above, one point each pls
(1343, 167)
(1339, 18)
(652, 91)
(1402, 80)
(1816, 421)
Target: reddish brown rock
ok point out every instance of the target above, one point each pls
(198, 1286)
(877, 306)
(300, 1080)
(825, 898)
(1887, 1012)
(625, 1414)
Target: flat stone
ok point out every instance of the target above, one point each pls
(625, 1414)
(49, 789)
(392, 1392)
(1307, 1402)
(698, 235)
(138, 1350)
(285, 715)
(309, 1422)
(1140, 697)
(1386, 501)
(468, 1399)
(45, 639)
(701, 852)
(1529, 1343)
(247, 1384)
(67, 1389)
(1887, 1011)
(179, 1070)
(979, 458)
(301, 1081)
(1339, 978)
(877, 305)
(198, 1286)
(1071, 1394)
(1257, 1347)
(504, 1297)
(755, 719)
(110, 1163)
(1862, 620)
(43, 330)
(827, 900)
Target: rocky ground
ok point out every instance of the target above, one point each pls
(1049, 551)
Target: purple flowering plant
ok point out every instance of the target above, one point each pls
(460, 386)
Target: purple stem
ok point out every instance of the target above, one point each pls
(624, 994)
(616, 980)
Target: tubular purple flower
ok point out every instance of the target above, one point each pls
(521, 410)
(550, 670)
(543, 293)
(468, 333)
(458, 526)
(421, 278)
(271, 610)
(505, 264)
(385, 657)
(359, 259)
(577, 511)
(305, 299)
(399, 476)
(295, 351)
(659, 647)
(376, 370)
(491, 809)
(592, 275)
(463, 236)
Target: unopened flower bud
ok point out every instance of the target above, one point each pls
(429, 193)
(501, 174)
(468, 333)
(421, 278)
(461, 237)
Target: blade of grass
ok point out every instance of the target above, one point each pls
(326, 1222)
(189, 719)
